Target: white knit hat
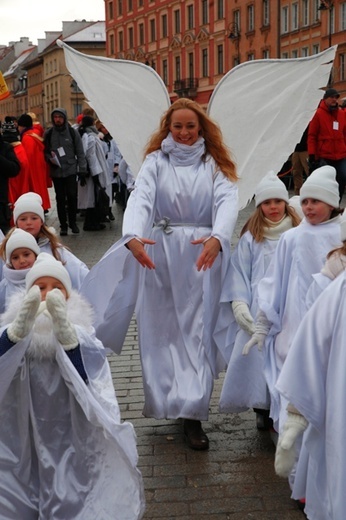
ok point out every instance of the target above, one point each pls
(20, 238)
(46, 265)
(321, 185)
(270, 187)
(28, 203)
(343, 226)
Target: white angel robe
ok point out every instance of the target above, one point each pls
(244, 384)
(64, 453)
(176, 306)
(300, 253)
(313, 380)
(13, 282)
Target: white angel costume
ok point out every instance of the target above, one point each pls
(64, 453)
(300, 253)
(244, 384)
(13, 281)
(313, 380)
(178, 197)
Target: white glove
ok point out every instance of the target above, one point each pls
(285, 455)
(64, 331)
(243, 317)
(24, 321)
(261, 330)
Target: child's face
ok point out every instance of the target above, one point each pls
(273, 209)
(48, 283)
(22, 258)
(30, 222)
(316, 211)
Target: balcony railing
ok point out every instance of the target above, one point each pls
(186, 87)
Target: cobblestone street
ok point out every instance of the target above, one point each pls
(235, 479)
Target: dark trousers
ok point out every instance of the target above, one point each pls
(340, 167)
(66, 195)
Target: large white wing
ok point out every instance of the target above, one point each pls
(263, 108)
(128, 97)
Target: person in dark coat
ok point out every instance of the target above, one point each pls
(9, 167)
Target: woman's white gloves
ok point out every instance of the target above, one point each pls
(243, 316)
(64, 331)
(285, 455)
(25, 319)
(262, 328)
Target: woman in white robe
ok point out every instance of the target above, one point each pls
(183, 209)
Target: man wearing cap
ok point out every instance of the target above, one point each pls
(327, 137)
(66, 158)
(9, 167)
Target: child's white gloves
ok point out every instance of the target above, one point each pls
(262, 328)
(243, 316)
(64, 331)
(285, 455)
(24, 321)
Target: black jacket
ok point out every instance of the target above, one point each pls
(9, 167)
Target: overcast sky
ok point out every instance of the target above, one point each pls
(32, 18)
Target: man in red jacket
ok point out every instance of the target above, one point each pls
(327, 137)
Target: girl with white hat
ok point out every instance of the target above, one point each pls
(300, 253)
(19, 251)
(63, 448)
(28, 214)
(244, 385)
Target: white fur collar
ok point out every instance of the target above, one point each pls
(42, 345)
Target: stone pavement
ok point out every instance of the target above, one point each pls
(235, 479)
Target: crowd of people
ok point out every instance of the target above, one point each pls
(256, 312)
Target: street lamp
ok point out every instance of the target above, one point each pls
(234, 36)
(328, 5)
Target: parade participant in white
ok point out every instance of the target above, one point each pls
(63, 450)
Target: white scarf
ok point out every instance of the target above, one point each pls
(183, 154)
(274, 230)
(334, 265)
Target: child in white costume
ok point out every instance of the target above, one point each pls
(300, 253)
(335, 264)
(244, 385)
(63, 451)
(19, 252)
(313, 382)
(28, 215)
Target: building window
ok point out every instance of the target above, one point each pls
(152, 30)
(205, 12)
(315, 49)
(120, 7)
(129, 5)
(140, 3)
(219, 51)
(130, 38)
(177, 68)
(190, 16)
(110, 11)
(315, 10)
(284, 20)
(295, 54)
(121, 41)
(205, 63)
(284, 55)
(165, 71)
(342, 67)
(251, 56)
(177, 22)
(111, 43)
(342, 16)
(141, 34)
(295, 17)
(250, 18)
(191, 65)
(265, 54)
(305, 13)
(305, 52)
(164, 26)
(220, 10)
(266, 12)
